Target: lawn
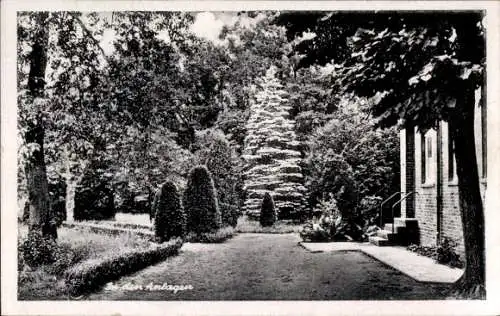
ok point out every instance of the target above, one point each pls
(267, 267)
(245, 225)
(47, 281)
(138, 219)
(126, 220)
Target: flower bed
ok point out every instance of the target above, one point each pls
(444, 253)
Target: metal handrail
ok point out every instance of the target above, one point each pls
(399, 202)
(382, 207)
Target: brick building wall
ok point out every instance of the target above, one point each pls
(424, 175)
(407, 172)
(426, 196)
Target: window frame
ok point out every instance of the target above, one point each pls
(428, 159)
(452, 163)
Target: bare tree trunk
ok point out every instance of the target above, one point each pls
(472, 283)
(36, 170)
(70, 189)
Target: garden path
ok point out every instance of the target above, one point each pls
(270, 267)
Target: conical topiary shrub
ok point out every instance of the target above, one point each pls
(170, 219)
(200, 202)
(268, 214)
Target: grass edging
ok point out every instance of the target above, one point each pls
(268, 230)
(124, 225)
(219, 236)
(94, 273)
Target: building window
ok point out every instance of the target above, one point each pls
(429, 146)
(423, 159)
(427, 158)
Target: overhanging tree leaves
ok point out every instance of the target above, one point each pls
(425, 67)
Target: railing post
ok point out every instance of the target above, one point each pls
(382, 207)
(392, 219)
(398, 202)
(381, 218)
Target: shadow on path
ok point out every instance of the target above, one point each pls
(270, 267)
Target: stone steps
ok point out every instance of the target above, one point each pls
(397, 228)
(379, 241)
(402, 232)
(387, 234)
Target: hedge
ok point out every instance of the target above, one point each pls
(94, 273)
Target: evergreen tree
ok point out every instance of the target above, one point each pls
(268, 214)
(272, 153)
(200, 202)
(170, 219)
(215, 151)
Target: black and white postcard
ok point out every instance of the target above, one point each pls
(250, 157)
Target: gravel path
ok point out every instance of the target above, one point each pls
(268, 267)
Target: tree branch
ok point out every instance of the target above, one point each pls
(88, 33)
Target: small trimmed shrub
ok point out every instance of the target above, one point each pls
(230, 214)
(37, 250)
(268, 214)
(200, 202)
(170, 220)
(91, 274)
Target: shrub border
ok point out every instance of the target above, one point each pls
(91, 274)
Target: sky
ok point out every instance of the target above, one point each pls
(207, 25)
